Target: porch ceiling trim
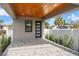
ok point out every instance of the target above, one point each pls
(8, 9)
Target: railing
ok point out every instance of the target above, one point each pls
(74, 33)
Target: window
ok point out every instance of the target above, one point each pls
(28, 25)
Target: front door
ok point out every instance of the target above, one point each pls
(38, 28)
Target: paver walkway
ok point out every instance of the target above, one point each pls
(37, 47)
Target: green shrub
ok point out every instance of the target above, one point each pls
(50, 37)
(60, 41)
(5, 42)
(53, 38)
(66, 41)
(46, 36)
(56, 39)
(9, 39)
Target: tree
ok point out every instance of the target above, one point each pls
(9, 26)
(1, 21)
(59, 21)
(46, 24)
(76, 25)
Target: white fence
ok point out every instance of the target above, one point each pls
(10, 33)
(70, 32)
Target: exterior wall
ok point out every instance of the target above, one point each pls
(19, 29)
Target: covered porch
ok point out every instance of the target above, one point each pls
(32, 43)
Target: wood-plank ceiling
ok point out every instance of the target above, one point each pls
(40, 10)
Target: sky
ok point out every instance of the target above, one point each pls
(72, 16)
(5, 17)
(69, 17)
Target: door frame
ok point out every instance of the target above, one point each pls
(40, 29)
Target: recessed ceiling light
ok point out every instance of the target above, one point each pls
(45, 6)
(22, 14)
(55, 4)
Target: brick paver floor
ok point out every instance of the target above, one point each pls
(37, 47)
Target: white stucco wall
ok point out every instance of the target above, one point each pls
(19, 29)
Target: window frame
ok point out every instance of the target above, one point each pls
(26, 22)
